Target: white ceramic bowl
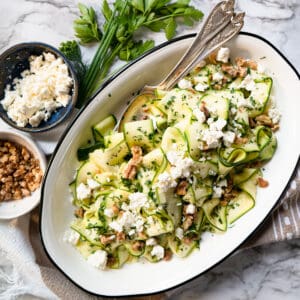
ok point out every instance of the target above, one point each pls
(16, 208)
(138, 278)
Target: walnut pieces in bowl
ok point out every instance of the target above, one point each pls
(20, 172)
(22, 165)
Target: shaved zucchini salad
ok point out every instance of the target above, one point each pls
(181, 162)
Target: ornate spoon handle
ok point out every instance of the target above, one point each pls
(218, 20)
(231, 30)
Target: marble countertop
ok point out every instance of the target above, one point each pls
(266, 272)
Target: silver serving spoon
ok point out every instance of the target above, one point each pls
(221, 25)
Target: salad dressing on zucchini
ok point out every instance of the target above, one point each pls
(181, 162)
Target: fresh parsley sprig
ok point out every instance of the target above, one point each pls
(72, 52)
(86, 26)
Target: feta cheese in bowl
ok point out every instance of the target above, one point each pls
(38, 87)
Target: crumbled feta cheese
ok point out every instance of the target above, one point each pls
(185, 84)
(139, 223)
(248, 83)
(128, 220)
(218, 125)
(71, 237)
(47, 81)
(83, 191)
(131, 232)
(179, 233)
(174, 156)
(158, 251)
(240, 102)
(108, 212)
(37, 118)
(213, 134)
(116, 225)
(93, 184)
(165, 181)
(199, 115)
(274, 114)
(222, 183)
(98, 259)
(137, 201)
(180, 165)
(48, 57)
(261, 68)
(228, 138)
(151, 242)
(223, 55)
(218, 76)
(211, 138)
(154, 123)
(233, 110)
(217, 192)
(212, 172)
(201, 87)
(190, 209)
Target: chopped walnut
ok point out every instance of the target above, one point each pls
(212, 58)
(187, 223)
(275, 127)
(234, 71)
(252, 123)
(111, 261)
(246, 63)
(229, 193)
(187, 240)
(242, 71)
(230, 70)
(204, 110)
(168, 255)
(223, 202)
(264, 120)
(120, 236)
(240, 140)
(138, 245)
(181, 188)
(142, 235)
(20, 172)
(262, 182)
(106, 239)
(79, 213)
(115, 209)
(217, 86)
(131, 168)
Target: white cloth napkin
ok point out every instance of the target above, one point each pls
(20, 276)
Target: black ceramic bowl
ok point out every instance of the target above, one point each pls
(13, 62)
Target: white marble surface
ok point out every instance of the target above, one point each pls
(268, 272)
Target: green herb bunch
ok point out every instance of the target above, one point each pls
(116, 38)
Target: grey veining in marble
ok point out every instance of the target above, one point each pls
(267, 272)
